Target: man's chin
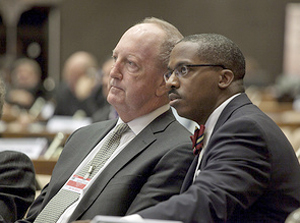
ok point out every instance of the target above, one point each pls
(176, 106)
(180, 111)
(175, 103)
(113, 100)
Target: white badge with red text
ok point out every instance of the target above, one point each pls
(76, 184)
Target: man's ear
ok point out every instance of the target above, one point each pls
(162, 88)
(226, 78)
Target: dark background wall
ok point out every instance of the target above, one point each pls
(257, 26)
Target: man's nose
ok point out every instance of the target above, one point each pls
(173, 82)
(115, 71)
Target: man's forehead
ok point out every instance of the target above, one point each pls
(183, 53)
(141, 37)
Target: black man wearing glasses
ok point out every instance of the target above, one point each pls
(247, 170)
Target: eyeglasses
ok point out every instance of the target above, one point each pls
(183, 69)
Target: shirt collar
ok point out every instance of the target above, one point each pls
(138, 124)
(213, 118)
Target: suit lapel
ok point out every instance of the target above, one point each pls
(66, 167)
(235, 104)
(141, 142)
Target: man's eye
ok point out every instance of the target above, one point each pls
(131, 66)
(183, 70)
(168, 74)
(130, 63)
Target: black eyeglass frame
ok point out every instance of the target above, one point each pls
(168, 74)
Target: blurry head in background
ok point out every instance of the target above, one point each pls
(78, 65)
(25, 84)
(26, 74)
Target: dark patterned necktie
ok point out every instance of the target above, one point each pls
(65, 198)
(197, 139)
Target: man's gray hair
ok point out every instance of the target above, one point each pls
(172, 37)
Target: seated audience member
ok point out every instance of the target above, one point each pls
(102, 171)
(107, 111)
(247, 170)
(26, 85)
(17, 180)
(17, 185)
(80, 89)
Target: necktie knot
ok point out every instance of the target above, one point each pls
(197, 139)
(121, 128)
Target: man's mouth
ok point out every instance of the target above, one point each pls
(113, 85)
(173, 96)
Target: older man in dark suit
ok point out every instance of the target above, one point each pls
(153, 155)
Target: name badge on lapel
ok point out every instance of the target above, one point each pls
(76, 184)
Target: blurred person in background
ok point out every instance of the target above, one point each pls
(25, 85)
(81, 86)
(24, 89)
(17, 180)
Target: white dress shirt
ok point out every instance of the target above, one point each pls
(209, 127)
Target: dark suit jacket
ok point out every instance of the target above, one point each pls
(249, 173)
(17, 185)
(150, 169)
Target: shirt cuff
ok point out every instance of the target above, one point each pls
(133, 218)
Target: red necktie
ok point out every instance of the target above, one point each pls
(197, 139)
